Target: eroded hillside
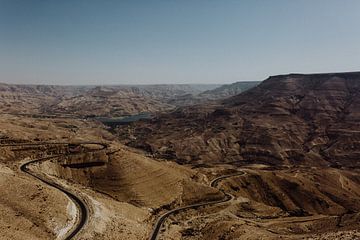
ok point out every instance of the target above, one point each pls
(292, 119)
(278, 161)
(123, 190)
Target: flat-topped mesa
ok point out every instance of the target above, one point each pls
(287, 119)
(298, 86)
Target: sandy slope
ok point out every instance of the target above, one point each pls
(124, 196)
(30, 209)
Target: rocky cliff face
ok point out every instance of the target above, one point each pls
(288, 119)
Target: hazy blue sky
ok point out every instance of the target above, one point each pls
(122, 42)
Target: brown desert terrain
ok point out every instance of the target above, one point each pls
(303, 128)
(278, 161)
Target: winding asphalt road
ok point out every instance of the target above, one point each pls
(83, 208)
(213, 183)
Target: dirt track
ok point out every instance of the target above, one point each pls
(83, 208)
(213, 183)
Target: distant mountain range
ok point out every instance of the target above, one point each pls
(107, 101)
(228, 90)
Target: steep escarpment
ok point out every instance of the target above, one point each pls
(287, 119)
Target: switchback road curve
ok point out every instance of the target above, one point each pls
(81, 205)
(213, 183)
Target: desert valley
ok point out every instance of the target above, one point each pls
(179, 120)
(276, 159)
